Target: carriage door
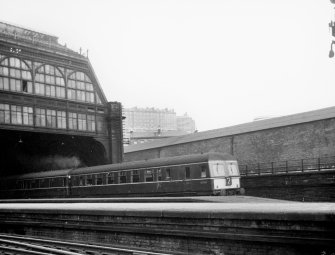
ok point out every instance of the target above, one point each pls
(187, 180)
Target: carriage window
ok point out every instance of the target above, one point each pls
(44, 183)
(135, 176)
(82, 181)
(123, 177)
(168, 173)
(34, 184)
(98, 179)
(187, 173)
(159, 174)
(203, 172)
(89, 180)
(56, 182)
(110, 178)
(148, 176)
(217, 169)
(75, 180)
(19, 185)
(232, 168)
(27, 184)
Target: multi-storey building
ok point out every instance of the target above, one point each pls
(147, 124)
(149, 119)
(53, 111)
(186, 123)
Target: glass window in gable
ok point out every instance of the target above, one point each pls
(4, 62)
(89, 86)
(87, 78)
(47, 69)
(12, 62)
(58, 73)
(17, 63)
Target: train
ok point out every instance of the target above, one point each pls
(189, 175)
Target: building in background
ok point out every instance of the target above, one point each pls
(147, 124)
(186, 123)
(53, 112)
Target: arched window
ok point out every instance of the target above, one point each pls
(80, 88)
(15, 75)
(49, 82)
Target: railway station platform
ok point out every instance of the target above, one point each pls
(194, 199)
(181, 228)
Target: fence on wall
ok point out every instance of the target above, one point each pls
(289, 166)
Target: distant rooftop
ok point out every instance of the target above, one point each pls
(288, 120)
(149, 109)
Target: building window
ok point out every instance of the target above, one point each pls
(82, 122)
(15, 76)
(40, 119)
(61, 119)
(4, 113)
(4, 83)
(91, 123)
(80, 88)
(50, 82)
(72, 120)
(28, 116)
(16, 114)
(51, 118)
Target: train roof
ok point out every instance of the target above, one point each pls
(168, 161)
(44, 174)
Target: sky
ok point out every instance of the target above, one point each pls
(224, 62)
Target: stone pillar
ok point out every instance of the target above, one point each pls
(115, 132)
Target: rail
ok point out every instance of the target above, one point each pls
(14, 244)
(289, 166)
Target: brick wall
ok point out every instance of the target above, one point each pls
(313, 186)
(305, 140)
(283, 228)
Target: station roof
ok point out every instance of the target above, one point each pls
(288, 120)
(25, 31)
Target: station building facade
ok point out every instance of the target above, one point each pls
(53, 112)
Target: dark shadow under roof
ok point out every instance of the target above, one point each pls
(288, 120)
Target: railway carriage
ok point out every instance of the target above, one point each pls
(203, 174)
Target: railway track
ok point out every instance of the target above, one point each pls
(17, 245)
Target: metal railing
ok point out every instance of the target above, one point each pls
(288, 166)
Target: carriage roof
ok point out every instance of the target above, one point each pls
(159, 162)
